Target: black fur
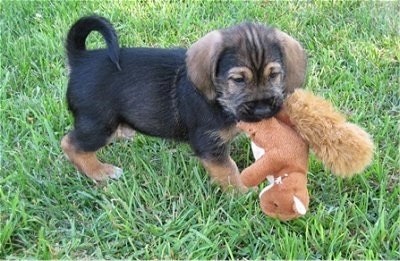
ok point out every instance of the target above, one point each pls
(254, 110)
(145, 88)
(83, 27)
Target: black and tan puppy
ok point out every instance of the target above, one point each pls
(195, 95)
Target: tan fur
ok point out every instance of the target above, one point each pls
(241, 72)
(252, 43)
(277, 202)
(294, 60)
(344, 148)
(203, 55)
(88, 163)
(286, 152)
(201, 62)
(286, 158)
(226, 174)
(272, 67)
(124, 132)
(228, 134)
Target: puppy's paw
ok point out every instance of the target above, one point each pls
(117, 173)
(236, 185)
(242, 189)
(105, 172)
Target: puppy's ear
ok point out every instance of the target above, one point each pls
(201, 61)
(295, 61)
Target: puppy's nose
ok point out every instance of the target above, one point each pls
(260, 109)
(264, 107)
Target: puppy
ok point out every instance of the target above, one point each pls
(196, 95)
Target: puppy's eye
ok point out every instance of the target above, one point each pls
(238, 80)
(273, 75)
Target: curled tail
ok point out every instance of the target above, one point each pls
(78, 33)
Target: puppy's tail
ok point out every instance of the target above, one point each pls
(78, 33)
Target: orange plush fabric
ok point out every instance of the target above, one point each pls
(305, 120)
(284, 164)
(343, 147)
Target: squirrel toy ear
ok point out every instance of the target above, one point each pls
(257, 151)
(298, 206)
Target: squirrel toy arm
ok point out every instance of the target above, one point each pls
(283, 162)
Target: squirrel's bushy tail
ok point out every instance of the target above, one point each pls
(343, 147)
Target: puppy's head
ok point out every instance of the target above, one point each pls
(247, 68)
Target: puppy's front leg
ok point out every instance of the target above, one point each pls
(224, 172)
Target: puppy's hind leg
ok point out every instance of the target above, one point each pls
(81, 151)
(124, 132)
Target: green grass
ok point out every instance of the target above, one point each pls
(164, 206)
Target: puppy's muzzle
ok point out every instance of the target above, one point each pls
(257, 110)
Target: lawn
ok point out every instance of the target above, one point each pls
(164, 206)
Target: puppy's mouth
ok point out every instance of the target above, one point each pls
(253, 111)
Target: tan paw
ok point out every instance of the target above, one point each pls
(104, 172)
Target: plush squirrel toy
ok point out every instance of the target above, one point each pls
(280, 145)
